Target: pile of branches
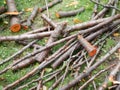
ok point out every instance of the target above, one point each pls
(76, 58)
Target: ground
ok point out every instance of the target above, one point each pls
(9, 48)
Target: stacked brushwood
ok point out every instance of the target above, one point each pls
(81, 45)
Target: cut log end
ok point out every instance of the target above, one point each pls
(92, 52)
(57, 15)
(15, 27)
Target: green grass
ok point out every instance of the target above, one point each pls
(9, 48)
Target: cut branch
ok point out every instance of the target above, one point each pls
(49, 21)
(32, 16)
(54, 36)
(83, 75)
(14, 20)
(62, 14)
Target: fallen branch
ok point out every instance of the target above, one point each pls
(85, 74)
(93, 77)
(115, 5)
(14, 20)
(91, 49)
(49, 21)
(25, 36)
(102, 12)
(19, 52)
(111, 78)
(54, 36)
(62, 14)
(32, 16)
(65, 55)
(95, 11)
(51, 4)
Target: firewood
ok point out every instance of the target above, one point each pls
(111, 78)
(26, 43)
(26, 36)
(114, 10)
(15, 25)
(102, 12)
(49, 21)
(44, 34)
(19, 52)
(91, 49)
(62, 58)
(45, 63)
(54, 36)
(26, 62)
(62, 14)
(96, 75)
(85, 74)
(23, 64)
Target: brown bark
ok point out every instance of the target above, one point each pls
(2, 9)
(40, 67)
(23, 64)
(63, 57)
(95, 11)
(88, 71)
(14, 20)
(49, 21)
(32, 16)
(41, 35)
(115, 5)
(111, 78)
(54, 36)
(102, 12)
(93, 77)
(18, 53)
(62, 14)
(51, 4)
(84, 25)
(32, 46)
(26, 36)
(27, 62)
(90, 48)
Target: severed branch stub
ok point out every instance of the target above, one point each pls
(61, 14)
(32, 16)
(90, 48)
(14, 20)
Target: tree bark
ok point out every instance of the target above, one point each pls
(32, 16)
(62, 14)
(14, 20)
(87, 73)
(54, 36)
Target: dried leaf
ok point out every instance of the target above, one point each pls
(76, 20)
(74, 3)
(29, 9)
(12, 13)
(116, 34)
(48, 69)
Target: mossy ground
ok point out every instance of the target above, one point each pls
(9, 48)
